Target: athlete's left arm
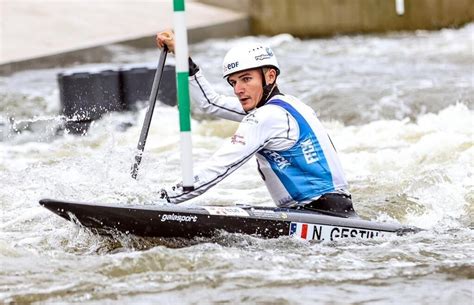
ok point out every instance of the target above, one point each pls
(255, 132)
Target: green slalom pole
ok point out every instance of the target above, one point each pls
(182, 76)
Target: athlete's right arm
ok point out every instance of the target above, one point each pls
(204, 96)
(267, 127)
(248, 139)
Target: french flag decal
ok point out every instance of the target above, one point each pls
(302, 230)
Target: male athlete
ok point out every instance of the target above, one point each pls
(295, 156)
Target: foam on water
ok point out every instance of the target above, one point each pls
(426, 163)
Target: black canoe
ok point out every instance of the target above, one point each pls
(203, 221)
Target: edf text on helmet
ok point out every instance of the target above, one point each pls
(232, 65)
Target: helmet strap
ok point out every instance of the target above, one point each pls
(267, 90)
(264, 81)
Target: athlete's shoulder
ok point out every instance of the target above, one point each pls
(291, 104)
(267, 112)
(284, 98)
(288, 99)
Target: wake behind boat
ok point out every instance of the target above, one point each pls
(206, 221)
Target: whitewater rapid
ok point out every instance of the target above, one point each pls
(399, 108)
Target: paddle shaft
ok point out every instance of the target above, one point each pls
(149, 113)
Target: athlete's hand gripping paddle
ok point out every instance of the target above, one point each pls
(149, 113)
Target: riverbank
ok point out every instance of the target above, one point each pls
(49, 34)
(309, 18)
(46, 34)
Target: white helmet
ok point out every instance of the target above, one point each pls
(248, 56)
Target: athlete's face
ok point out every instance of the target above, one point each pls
(247, 87)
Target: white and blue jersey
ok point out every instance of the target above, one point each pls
(306, 170)
(295, 156)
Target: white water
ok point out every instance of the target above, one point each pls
(399, 108)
